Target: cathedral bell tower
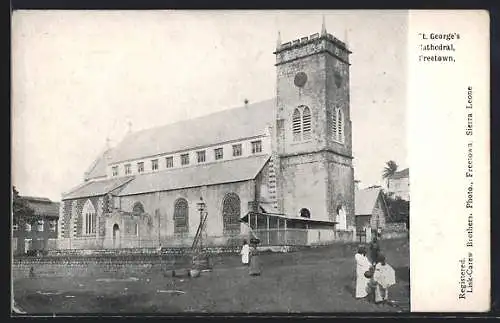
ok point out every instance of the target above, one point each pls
(313, 139)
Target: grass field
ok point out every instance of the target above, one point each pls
(319, 280)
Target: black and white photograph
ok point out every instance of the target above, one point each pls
(219, 162)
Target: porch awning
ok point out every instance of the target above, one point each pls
(288, 218)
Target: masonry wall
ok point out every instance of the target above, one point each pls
(304, 186)
(378, 215)
(340, 186)
(160, 207)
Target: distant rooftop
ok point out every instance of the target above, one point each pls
(405, 173)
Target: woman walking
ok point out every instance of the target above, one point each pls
(254, 259)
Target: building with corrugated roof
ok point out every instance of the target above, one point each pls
(371, 212)
(280, 169)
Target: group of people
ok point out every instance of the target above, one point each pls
(374, 275)
(249, 257)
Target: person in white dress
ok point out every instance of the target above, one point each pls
(245, 253)
(362, 266)
(384, 277)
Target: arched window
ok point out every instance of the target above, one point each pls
(306, 123)
(340, 126)
(305, 213)
(231, 209)
(334, 124)
(181, 216)
(138, 209)
(341, 219)
(296, 125)
(89, 217)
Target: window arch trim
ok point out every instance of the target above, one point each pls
(231, 213)
(89, 218)
(181, 216)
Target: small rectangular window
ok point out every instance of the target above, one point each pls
(185, 159)
(256, 146)
(128, 171)
(140, 167)
(169, 162)
(115, 170)
(237, 150)
(219, 153)
(201, 156)
(154, 164)
(27, 227)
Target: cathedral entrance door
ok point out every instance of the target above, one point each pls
(116, 236)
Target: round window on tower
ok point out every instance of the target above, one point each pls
(300, 79)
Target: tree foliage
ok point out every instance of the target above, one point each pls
(390, 168)
(399, 209)
(20, 208)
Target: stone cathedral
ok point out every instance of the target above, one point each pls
(280, 169)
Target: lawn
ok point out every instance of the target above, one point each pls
(318, 280)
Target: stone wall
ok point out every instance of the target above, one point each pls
(112, 263)
(394, 230)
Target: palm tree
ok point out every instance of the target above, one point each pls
(389, 170)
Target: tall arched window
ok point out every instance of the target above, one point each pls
(296, 125)
(341, 218)
(89, 217)
(231, 210)
(138, 209)
(334, 124)
(306, 123)
(181, 216)
(338, 125)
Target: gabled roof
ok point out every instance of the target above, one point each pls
(405, 173)
(42, 206)
(233, 170)
(243, 122)
(98, 167)
(364, 200)
(97, 188)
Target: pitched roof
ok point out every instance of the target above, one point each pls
(228, 171)
(98, 167)
(243, 122)
(43, 206)
(401, 174)
(364, 200)
(97, 188)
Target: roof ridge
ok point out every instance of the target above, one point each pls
(199, 117)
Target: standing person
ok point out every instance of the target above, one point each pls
(368, 234)
(245, 253)
(254, 259)
(374, 250)
(384, 277)
(362, 266)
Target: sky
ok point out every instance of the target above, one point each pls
(79, 77)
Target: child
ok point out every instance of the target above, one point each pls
(383, 277)
(245, 252)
